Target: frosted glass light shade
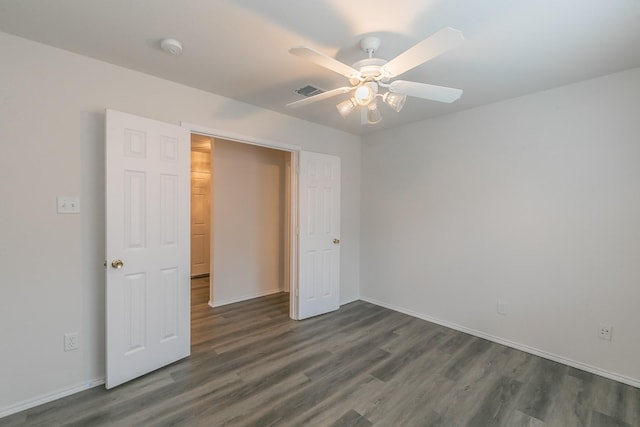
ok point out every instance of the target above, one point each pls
(373, 114)
(395, 100)
(363, 95)
(345, 108)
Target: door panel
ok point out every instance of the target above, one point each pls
(319, 244)
(147, 228)
(200, 221)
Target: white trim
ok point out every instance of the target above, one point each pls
(349, 301)
(246, 139)
(527, 349)
(243, 298)
(294, 252)
(49, 397)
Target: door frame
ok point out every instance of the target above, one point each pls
(293, 196)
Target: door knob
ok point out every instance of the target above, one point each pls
(117, 263)
(336, 241)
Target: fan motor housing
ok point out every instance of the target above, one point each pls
(370, 67)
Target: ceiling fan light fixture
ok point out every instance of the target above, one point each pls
(394, 100)
(365, 94)
(373, 114)
(368, 75)
(346, 107)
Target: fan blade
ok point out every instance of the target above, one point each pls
(429, 48)
(426, 91)
(320, 96)
(325, 61)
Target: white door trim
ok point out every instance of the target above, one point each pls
(245, 139)
(293, 226)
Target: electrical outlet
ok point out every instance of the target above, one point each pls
(71, 341)
(503, 308)
(604, 333)
(68, 205)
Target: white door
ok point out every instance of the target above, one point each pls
(200, 213)
(319, 235)
(147, 245)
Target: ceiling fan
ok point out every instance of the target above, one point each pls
(370, 76)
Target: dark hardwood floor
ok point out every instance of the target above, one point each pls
(360, 366)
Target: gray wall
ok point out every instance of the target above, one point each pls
(248, 221)
(533, 201)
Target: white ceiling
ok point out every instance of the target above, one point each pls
(239, 48)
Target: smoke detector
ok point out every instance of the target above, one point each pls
(171, 46)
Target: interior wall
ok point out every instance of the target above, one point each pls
(533, 201)
(248, 221)
(52, 106)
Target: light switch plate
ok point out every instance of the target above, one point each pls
(68, 205)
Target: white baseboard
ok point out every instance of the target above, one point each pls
(49, 397)
(527, 349)
(218, 303)
(349, 300)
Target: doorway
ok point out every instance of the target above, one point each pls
(200, 206)
(240, 218)
(147, 233)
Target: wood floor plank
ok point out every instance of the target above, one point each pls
(602, 420)
(471, 385)
(320, 389)
(614, 400)
(351, 419)
(362, 365)
(539, 393)
(572, 404)
(519, 419)
(400, 359)
(418, 386)
(496, 404)
(353, 397)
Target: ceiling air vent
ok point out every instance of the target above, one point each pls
(309, 90)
